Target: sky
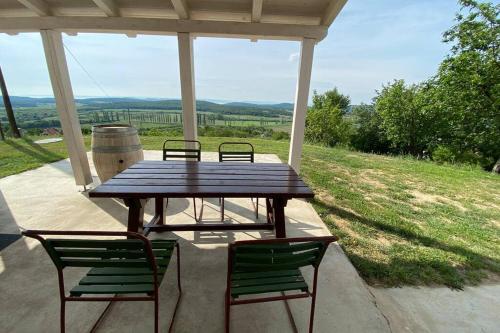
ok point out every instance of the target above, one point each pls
(371, 42)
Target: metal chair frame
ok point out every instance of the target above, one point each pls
(37, 234)
(184, 153)
(326, 240)
(237, 156)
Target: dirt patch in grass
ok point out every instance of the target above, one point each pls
(425, 198)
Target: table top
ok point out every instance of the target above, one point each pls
(148, 179)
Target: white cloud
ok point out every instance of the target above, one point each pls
(293, 57)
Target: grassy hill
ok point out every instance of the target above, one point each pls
(400, 221)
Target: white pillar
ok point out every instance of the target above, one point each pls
(301, 99)
(186, 66)
(65, 104)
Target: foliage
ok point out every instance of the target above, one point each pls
(466, 89)
(368, 135)
(325, 123)
(331, 98)
(403, 118)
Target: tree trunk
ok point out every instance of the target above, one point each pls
(496, 167)
(2, 136)
(8, 108)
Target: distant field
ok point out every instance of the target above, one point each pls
(400, 221)
(45, 116)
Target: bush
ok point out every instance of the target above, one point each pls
(443, 154)
(280, 135)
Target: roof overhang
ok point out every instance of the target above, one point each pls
(255, 19)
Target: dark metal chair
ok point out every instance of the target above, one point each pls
(240, 155)
(270, 266)
(171, 151)
(121, 267)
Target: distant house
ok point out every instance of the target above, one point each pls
(51, 131)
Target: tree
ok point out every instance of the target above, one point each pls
(368, 136)
(8, 107)
(325, 123)
(330, 99)
(467, 86)
(402, 117)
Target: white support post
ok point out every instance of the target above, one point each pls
(65, 104)
(186, 66)
(301, 99)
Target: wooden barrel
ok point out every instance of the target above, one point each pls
(114, 149)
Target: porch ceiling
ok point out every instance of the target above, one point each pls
(284, 19)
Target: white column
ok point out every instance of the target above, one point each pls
(186, 67)
(301, 98)
(65, 104)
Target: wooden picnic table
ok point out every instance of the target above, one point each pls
(277, 182)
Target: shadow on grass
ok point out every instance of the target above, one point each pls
(414, 270)
(35, 151)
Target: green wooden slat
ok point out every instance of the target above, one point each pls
(275, 257)
(117, 279)
(131, 244)
(266, 281)
(112, 289)
(284, 247)
(255, 275)
(105, 263)
(235, 292)
(123, 271)
(281, 266)
(102, 253)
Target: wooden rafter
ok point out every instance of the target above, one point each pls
(332, 11)
(163, 27)
(109, 7)
(181, 8)
(40, 7)
(256, 10)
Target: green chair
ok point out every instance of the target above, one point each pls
(273, 266)
(234, 154)
(171, 151)
(131, 269)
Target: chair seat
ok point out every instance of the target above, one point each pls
(126, 280)
(251, 283)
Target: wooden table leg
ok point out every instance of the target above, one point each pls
(135, 214)
(279, 205)
(159, 210)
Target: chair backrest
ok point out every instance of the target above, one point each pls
(134, 252)
(170, 150)
(278, 254)
(229, 153)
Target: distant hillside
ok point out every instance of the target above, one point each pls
(93, 104)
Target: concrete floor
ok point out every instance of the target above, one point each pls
(46, 198)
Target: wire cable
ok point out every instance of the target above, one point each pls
(86, 72)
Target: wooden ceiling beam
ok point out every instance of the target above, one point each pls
(257, 10)
(163, 27)
(332, 11)
(40, 7)
(109, 7)
(181, 8)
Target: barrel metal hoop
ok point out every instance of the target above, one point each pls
(115, 149)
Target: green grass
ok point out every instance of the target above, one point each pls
(401, 221)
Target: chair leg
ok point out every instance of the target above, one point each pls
(156, 313)
(222, 209)
(256, 208)
(196, 218)
(63, 316)
(313, 300)
(227, 311)
(178, 286)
